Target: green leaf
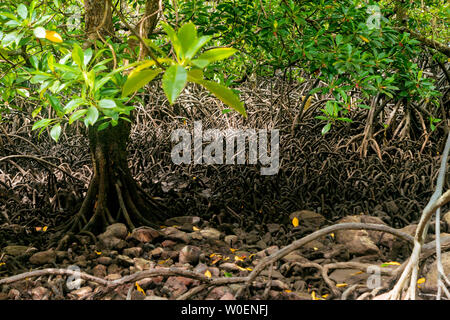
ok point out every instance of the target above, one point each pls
(56, 105)
(213, 55)
(22, 11)
(187, 35)
(137, 80)
(103, 126)
(174, 81)
(41, 124)
(77, 115)
(91, 116)
(326, 128)
(78, 56)
(55, 132)
(173, 38)
(226, 95)
(200, 42)
(73, 104)
(107, 104)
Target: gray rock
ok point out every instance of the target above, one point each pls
(308, 218)
(80, 293)
(117, 230)
(430, 284)
(99, 271)
(211, 233)
(231, 240)
(43, 257)
(15, 251)
(145, 234)
(175, 234)
(357, 242)
(132, 252)
(106, 261)
(189, 254)
(179, 221)
(125, 260)
(141, 264)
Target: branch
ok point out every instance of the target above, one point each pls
(427, 42)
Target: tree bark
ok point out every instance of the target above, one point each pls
(113, 195)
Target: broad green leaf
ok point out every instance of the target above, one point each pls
(77, 115)
(174, 81)
(22, 11)
(91, 116)
(173, 38)
(56, 105)
(197, 46)
(226, 95)
(73, 104)
(326, 128)
(55, 132)
(78, 56)
(103, 126)
(195, 75)
(39, 32)
(214, 55)
(41, 124)
(107, 104)
(137, 80)
(187, 35)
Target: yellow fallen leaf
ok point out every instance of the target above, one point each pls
(295, 222)
(138, 288)
(249, 269)
(98, 252)
(364, 39)
(421, 280)
(226, 258)
(325, 296)
(252, 255)
(195, 228)
(354, 274)
(315, 248)
(2, 264)
(314, 296)
(44, 228)
(308, 103)
(237, 258)
(332, 235)
(233, 250)
(53, 36)
(216, 260)
(240, 268)
(288, 291)
(391, 263)
(208, 274)
(341, 285)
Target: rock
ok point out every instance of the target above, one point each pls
(3, 296)
(211, 233)
(116, 230)
(357, 242)
(267, 252)
(15, 251)
(113, 276)
(132, 252)
(179, 221)
(217, 293)
(228, 296)
(113, 268)
(106, 261)
(40, 293)
(157, 252)
(430, 284)
(228, 266)
(113, 237)
(80, 293)
(446, 219)
(125, 260)
(145, 234)
(168, 243)
(252, 237)
(349, 276)
(142, 264)
(175, 234)
(14, 294)
(189, 254)
(231, 240)
(308, 218)
(155, 298)
(175, 286)
(201, 268)
(294, 257)
(99, 271)
(43, 257)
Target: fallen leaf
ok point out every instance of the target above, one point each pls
(295, 222)
(341, 285)
(98, 252)
(233, 250)
(421, 280)
(391, 263)
(195, 228)
(138, 288)
(208, 274)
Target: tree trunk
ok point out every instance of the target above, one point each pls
(113, 194)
